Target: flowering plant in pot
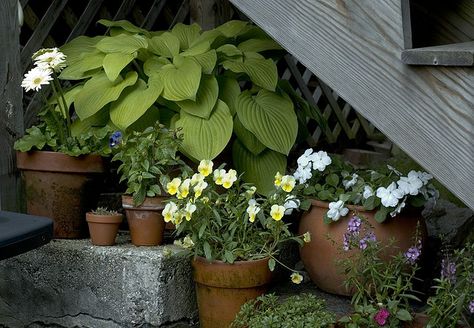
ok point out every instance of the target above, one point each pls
(385, 196)
(235, 234)
(59, 157)
(147, 160)
(103, 225)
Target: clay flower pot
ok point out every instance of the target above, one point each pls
(145, 221)
(222, 288)
(321, 254)
(103, 228)
(61, 187)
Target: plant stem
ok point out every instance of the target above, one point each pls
(56, 118)
(64, 103)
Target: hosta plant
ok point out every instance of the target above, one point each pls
(209, 84)
(386, 190)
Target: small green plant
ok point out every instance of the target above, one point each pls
(147, 157)
(454, 297)
(104, 211)
(299, 311)
(382, 288)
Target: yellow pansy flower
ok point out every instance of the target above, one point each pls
(189, 210)
(199, 187)
(205, 167)
(169, 211)
(229, 179)
(277, 212)
(277, 181)
(296, 278)
(172, 187)
(287, 183)
(218, 176)
(183, 190)
(307, 237)
(252, 210)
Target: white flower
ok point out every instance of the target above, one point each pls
(218, 176)
(368, 192)
(320, 160)
(304, 159)
(35, 78)
(390, 195)
(205, 167)
(398, 209)
(183, 189)
(350, 183)
(251, 191)
(50, 59)
(169, 211)
(303, 174)
(252, 209)
(291, 203)
(196, 178)
(199, 187)
(410, 184)
(336, 210)
(424, 177)
(229, 179)
(189, 210)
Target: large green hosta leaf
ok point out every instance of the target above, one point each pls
(258, 45)
(262, 72)
(122, 43)
(99, 119)
(166, 45)
(229, 90)
(123, 24)
(247, 138)
(114, 63)
(180, 79)
(205, 139)
(207, 61)
(270, 117)
(135, 101)
(78, 46)
(205, 99)
(153, 65)
(260, 169)
(232, 28)
(99, 91)
(81, 69)
(197, 49)
(186, 34)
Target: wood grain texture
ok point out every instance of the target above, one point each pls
(11, 113)
(354, 47)
(209, 13)
(456, 54)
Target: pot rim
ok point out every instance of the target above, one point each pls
(202, 259)
(51, 161)
(150, 204)
(100, 218)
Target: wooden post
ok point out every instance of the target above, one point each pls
(210, 13)
(11, 110)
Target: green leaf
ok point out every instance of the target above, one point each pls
(206, 98)
(153, 65)
(81, 69)
(186, 34)
(326, 219)
(209, 36)
(34, 137)
(403, 315)
(324, 195)
(99, 91)
(125, 25)
(228, 51)
(271, 264)
(270, 118)
(134, 102)
(166, 45)
(258, 45)
(197, 49)
(369, 203)
(114, 63)
(247, 138)
(332, 180)
(207, 251)
(181, 79)
(148, 119)
(122, 43)
(207, 61)
(305, 205)
(232, 28)
(205, 139)
(381, 214)
(259, 170)
(262, 72)
(76, 48)
(229, 257)
(201, 230)
(229, 90)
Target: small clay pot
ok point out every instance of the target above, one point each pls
(145, 221)
(222, 288)
(103, 228)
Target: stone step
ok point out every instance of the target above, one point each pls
(71, 283)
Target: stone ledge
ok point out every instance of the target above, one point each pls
(70, 283)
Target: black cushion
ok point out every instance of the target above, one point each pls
(20, 233)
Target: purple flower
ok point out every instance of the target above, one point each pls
(115, 139)
(413, 253)
(354, 225)
(448, 270)
(363, 243)
(381, 316)
(471, 307)
(345, 241)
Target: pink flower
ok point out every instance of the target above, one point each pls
(381, 316)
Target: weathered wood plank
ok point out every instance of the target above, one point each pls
(11, 112)
(153, 13)
(209, 13)
(354, 47)
(86, 19)
(456, 54)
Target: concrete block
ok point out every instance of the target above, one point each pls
(70, 283)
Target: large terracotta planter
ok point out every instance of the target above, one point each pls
(61, 187)
(222, 288)
(320, 255)
(145, 221)
(103, 228)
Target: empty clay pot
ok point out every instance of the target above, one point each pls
(103, 228)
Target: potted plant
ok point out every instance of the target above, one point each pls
(235, 235)
(387, 198)
(60, 157)
(103, 226)
(211, 84)
(148, 158)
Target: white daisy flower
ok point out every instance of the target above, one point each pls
(35, 78)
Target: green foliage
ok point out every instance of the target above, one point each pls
(299, 311)
(215, 82)
(147, 158)
(104, 211)
(454, 290)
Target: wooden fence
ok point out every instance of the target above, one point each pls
(52, 23)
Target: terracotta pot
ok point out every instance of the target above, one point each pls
(61, 187)
(222, 288)
(320, 255)
(103, 228)
(145, 221)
